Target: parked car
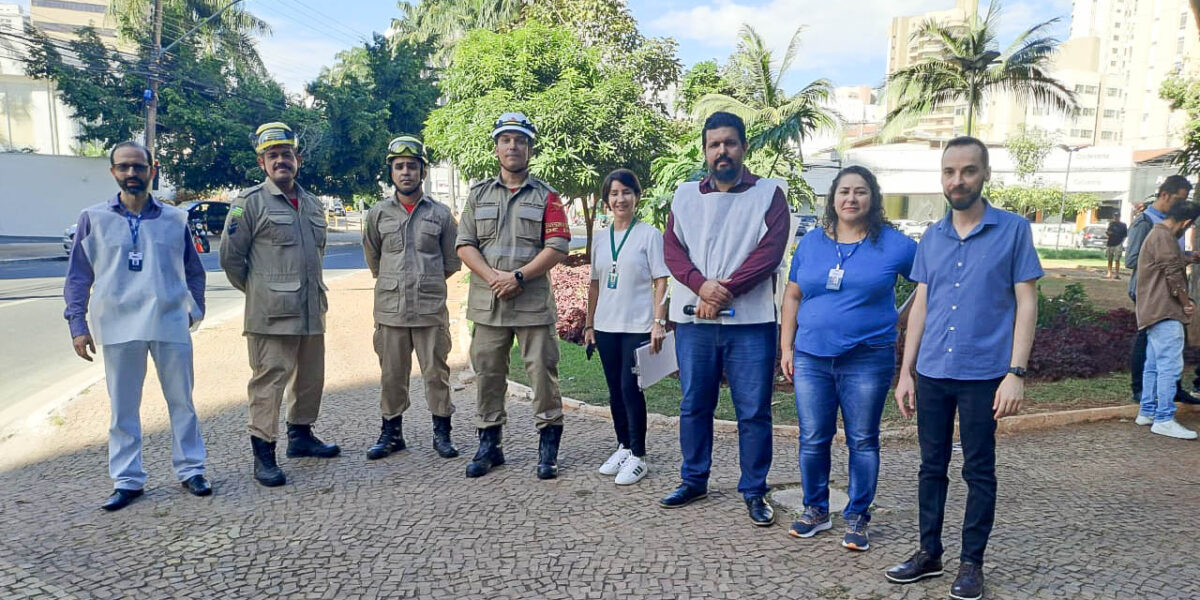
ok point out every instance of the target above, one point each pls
(207, 215)
(913, 229)
(805, 224)
(1093, 236)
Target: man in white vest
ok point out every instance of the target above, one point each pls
(724, 241)
(134, 266)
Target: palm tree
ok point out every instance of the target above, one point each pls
(448, 20)
(774, 120)
(231, 34)
(967, 68)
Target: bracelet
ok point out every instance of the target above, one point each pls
(587, 327)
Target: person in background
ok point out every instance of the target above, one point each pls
(625, 311)
(838, 339)
(1163, 309)
(133, 264)
(1114, 247)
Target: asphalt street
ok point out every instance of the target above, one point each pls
(38, 363)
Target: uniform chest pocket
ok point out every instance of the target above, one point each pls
(319, 229)
(528, 223)
(282, 228)
(486, 221)
(391, 236)
(429, 235)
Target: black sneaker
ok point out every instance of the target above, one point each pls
(919, 567)
(969, 583)
(856, 537)
(810, 523)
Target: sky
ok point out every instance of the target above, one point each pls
(844, 41)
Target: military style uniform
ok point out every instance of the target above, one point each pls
(509, 230)
(273, 253)
(411, 255)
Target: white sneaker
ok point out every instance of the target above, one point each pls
(1144, 420)
(614, 462)
(1173, 429)
(632, 471)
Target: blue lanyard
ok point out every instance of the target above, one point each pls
(135, 223)
(838, 246)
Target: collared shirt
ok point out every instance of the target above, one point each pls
(970, 303)
(1162, 284)
(410, 251)
(761, 263)
(80, 276)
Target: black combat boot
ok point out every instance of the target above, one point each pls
(265, 469)
(490, 454)
(549, 437)
(391, 439)
(302, 442)
(441, 437)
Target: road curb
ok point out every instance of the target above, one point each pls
(32, 259)
(1006, 426)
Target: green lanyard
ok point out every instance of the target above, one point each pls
(612, 240)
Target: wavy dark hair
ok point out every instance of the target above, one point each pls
(876, 220)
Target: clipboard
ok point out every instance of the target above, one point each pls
(652, 368)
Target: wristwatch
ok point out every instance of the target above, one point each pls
(662, 322)
(520, 277)
(1018, 371)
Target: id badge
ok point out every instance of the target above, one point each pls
(612, 278)
(135, 260)
(834, 282)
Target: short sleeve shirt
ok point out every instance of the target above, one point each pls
(863, 308)
(629, 307)
(971, 306)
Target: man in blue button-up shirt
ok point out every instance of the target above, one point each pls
(972, 320)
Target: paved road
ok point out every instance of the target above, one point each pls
(36, 355)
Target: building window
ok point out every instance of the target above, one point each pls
(1179, 46)
(1074, 133)
(1107, 135)
(1087, 112)
(1110, 113)
(1087, 133)
(1114, 92)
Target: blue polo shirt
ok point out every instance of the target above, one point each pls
(971, 307)
(863, 310)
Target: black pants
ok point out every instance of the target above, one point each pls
(1137, 364)
(937, 400)
(626, 400)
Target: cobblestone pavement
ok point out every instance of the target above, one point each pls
(1095, 511)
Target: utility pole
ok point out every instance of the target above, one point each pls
(152, 82)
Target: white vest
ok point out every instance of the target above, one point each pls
(719, 230)
(148, 305)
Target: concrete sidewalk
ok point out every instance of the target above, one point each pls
(30, 251)
(413, 526)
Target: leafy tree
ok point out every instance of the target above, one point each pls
(966, 68)
(1184, 94)
(231, 34)
(1027, 200)
(591, 117)
(1029, 149)
(702, 79)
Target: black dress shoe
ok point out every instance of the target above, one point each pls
(969, 583)
(1183, 397)
(920, 566)
(682, 496)
(760, 511)
(198, 485)
(120, 498)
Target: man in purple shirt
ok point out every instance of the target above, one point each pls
(724, 241)
(137, 256)
(969, 334)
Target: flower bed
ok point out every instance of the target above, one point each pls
(569, 281)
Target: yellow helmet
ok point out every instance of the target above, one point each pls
(273, 134)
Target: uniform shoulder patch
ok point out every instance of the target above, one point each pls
(245, 193)
(237, 211)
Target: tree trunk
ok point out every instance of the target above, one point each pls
(589, 218)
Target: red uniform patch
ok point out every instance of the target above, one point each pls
(554, 220)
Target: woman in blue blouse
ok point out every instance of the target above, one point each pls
(839, 344)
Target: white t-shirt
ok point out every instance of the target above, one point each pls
(630, 307)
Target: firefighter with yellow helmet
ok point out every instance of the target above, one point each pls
(272, 250)
(408, 243)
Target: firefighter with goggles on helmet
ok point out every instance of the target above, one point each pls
(408, 243)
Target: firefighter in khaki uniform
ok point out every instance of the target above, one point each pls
(272, 250)
(409, 247)
(513, 230)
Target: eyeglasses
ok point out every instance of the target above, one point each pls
(135, 167)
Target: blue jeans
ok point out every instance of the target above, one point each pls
(857, 382)
(745, 354)
(1164, 365)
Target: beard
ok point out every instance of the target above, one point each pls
(133, 185)
(725, 171)
(963, 203)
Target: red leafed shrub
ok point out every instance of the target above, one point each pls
(570, 284)
(1095, 347)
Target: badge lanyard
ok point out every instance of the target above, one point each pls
(834, 282)
(135, 255)
(612, 241)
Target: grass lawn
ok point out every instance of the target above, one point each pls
(584, 380)
(1105, 294)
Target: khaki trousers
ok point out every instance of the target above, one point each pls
(291, 363)
(490, 348)
(395, 347)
